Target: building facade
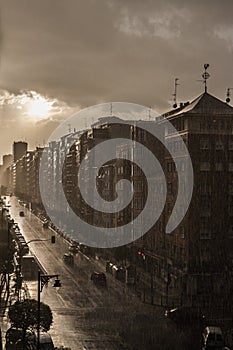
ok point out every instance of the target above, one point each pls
(202, 245)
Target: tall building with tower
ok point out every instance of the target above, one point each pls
(19, 150)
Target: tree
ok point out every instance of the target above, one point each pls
(5, 254)
(23, 314)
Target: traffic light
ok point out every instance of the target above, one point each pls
(53, 239)
(141, 253)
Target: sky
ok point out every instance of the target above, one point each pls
(59, 56)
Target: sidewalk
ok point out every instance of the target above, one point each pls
(147, 290)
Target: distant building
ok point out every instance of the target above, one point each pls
(19, 150)
(4, 171)
(7, 160)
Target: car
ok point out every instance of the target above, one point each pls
(73, 248)
(68, 259)
(45, 224)
(84, 249)
(21, 213)
(185, 315)
(212, 338)
(46, 342)
(23, 249)
(99, 278)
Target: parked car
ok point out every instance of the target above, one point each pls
(99, 278)
(73, 248)
(46, 342)
(45, 224)
(118, 272)
(212, 338)
(68, 259)
(84, 249)
(185, 315)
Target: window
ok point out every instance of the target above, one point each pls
(205, 188)
(181, 165)
(181, 210)
(161, 188)
(230, 144)
(230, 231)
(136, 170)
(138, 203)
(205, 206)
(141, 134)
(139, 152)
(218, 166)
(182, 187)
(169, 208)
(170, 167)
(138, 186)
(169, 187)
(221, 124)
(230, 205)
(138, 220)
(204, 126)
(230, 189)
(219, 146)
(205, 234)
(182, 232)
(204, 143)
(205, 166)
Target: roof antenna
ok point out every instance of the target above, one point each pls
(149, 110)
(228, 95)
(175, 93)
(205, 75)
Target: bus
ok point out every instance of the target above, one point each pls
(29, 267)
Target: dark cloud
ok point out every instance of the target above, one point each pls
(88, 51)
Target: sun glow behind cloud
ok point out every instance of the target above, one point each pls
(32, 105)
(39, 107)
(30, 116)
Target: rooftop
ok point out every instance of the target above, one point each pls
(203, 104)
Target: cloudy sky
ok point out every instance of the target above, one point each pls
(58, 56)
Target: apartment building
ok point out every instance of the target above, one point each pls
(202, 245)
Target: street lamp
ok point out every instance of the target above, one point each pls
(43, 280)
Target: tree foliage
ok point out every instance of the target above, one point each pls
(6, 253)
(23, 314)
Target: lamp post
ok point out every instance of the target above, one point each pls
(42, 280)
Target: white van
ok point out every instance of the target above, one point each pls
(46, 342)
(212, 338)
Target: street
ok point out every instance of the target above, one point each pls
(86, 316)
